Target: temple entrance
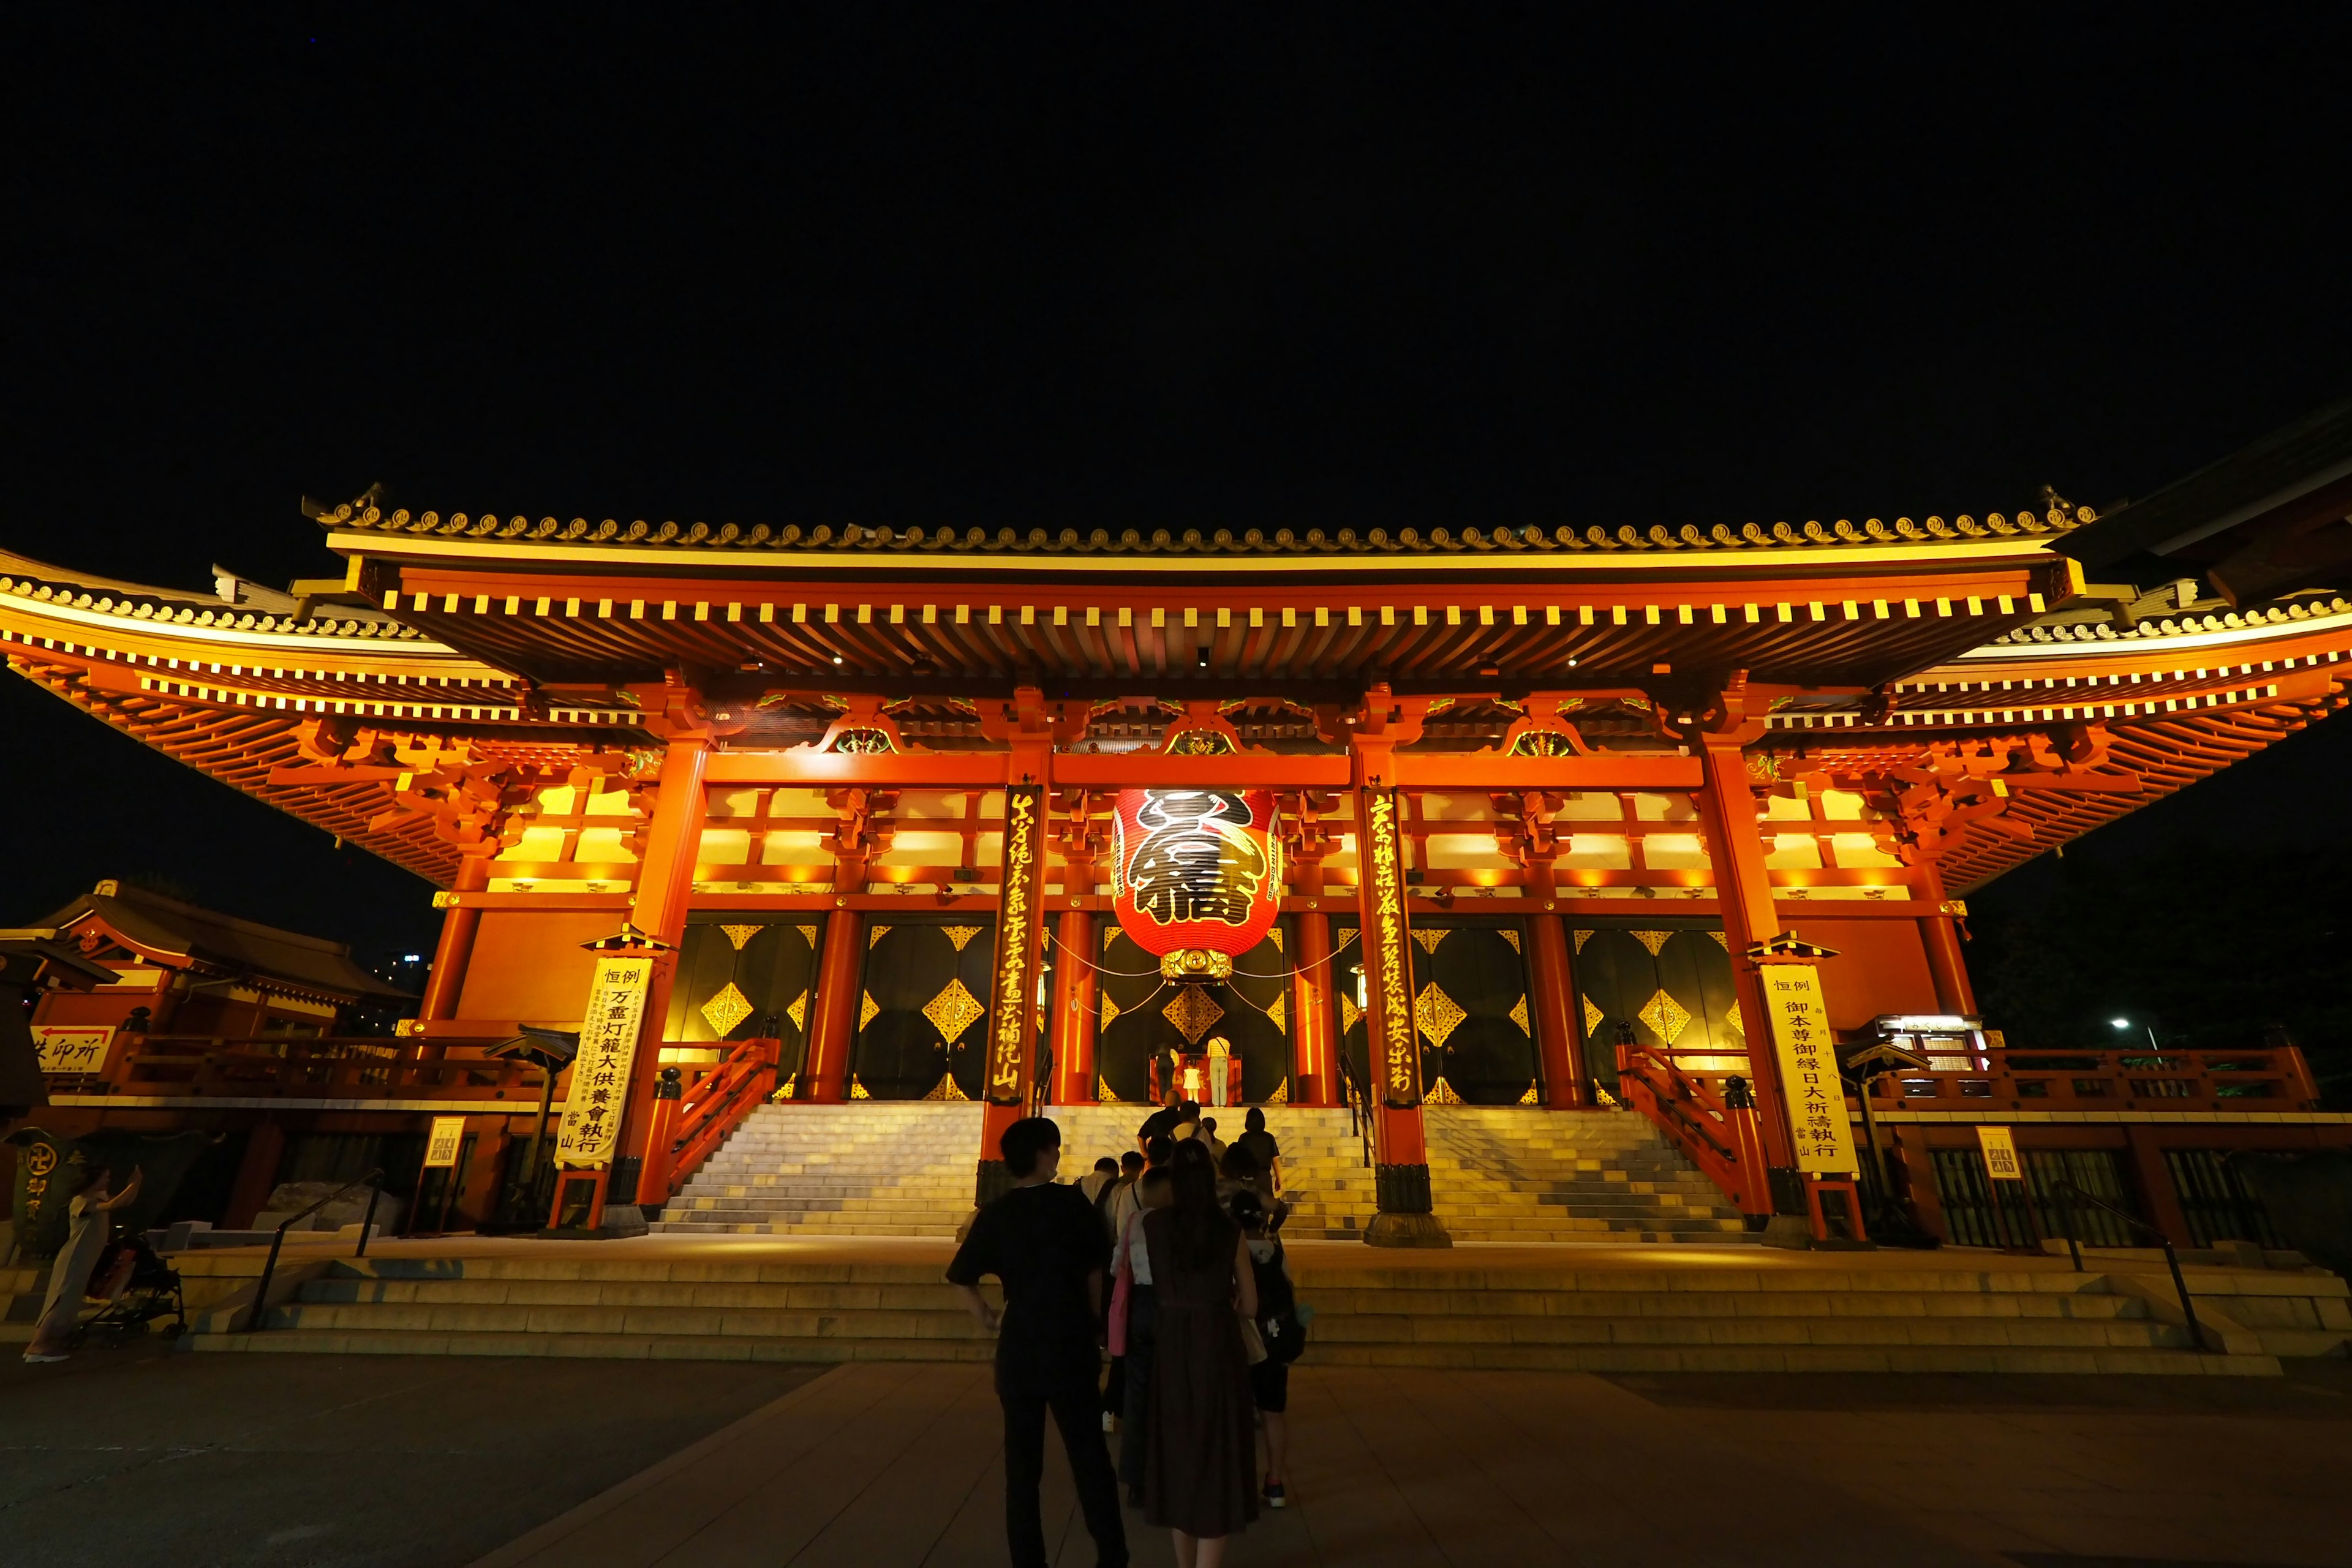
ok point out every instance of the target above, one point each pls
(1470, 1002)
(922, 999)
(1146, 1018)
(1670, 982)
(746, 975)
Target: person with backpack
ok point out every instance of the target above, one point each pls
(1285, 1335)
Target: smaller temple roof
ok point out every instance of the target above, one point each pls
(2264, 522)
(167, 927)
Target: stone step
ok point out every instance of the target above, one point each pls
(1950, 1319)
(1591, 1358)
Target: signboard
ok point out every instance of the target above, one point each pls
(1999, 1145)
(442, 1144)
(1806, 1051)
(73, 1049)
(1019, 931)
(1388, 971)
(600, 1073)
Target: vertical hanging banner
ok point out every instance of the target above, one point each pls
(1019, 931)
(1807, 1052)
(1388, 972)
(600, 1073)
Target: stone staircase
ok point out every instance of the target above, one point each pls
(1956, 1314)
(905, 1168)
(867, 1168)
(1500, 1173)
(1325, 1181)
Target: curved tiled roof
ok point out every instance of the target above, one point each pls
(2187, 625)
(29, 580)
(364, 515)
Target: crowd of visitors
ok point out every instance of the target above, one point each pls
(1168, 1257)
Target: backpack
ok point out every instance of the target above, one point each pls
(1278, 1322)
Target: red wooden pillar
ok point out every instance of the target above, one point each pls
(1400, 1150)
(833, 1031)
(450, 954)
(1555, 992)
(1940, 934)
(257, 1174)
(1074, 1008)
(1314, 1074)
(1744, 891)
(673, 842)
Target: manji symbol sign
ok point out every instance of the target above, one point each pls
(1809, 1073)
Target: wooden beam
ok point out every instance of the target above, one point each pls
(802, 766)
(1485, 771)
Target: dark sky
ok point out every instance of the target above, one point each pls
(1104, 264)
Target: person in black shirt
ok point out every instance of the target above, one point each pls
(1161, 1123)
(1047, 1244)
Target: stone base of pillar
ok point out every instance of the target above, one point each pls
(1789, 1231)
(1388, 1229)
(1404, 1219)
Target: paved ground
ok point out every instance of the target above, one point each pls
(132, 1458)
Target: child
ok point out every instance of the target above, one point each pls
(1278, 1325)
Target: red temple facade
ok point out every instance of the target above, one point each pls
(1657, 821)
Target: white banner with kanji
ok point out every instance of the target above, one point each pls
(1807, 1053)
(600, 1073)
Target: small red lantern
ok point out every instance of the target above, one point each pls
(1198, 877)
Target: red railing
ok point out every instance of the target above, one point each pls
(330, 1067)
(1718, 1138)
(2266, 1078)
(690, 1129)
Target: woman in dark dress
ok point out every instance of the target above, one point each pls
(1200, 1467)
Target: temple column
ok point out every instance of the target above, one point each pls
(1314, 1071)
(1940, 934)
(832, 1025)
(673, 843)
(833, 1028)
(1074, 1009)
(1744, 892)
(1555, 1000)
(1400, 1151)
(448, 977)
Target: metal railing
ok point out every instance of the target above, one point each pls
(2067, 1191)
(1359, 1109)
(261, 1292)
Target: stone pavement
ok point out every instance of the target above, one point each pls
(881, 1465)
(138, 1458)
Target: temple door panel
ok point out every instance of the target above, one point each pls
(1470, 1004)
(744, 976)
(922, 1009)
(1143, 1016)
(1672, 987)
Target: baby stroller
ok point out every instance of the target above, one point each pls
(137, 1287)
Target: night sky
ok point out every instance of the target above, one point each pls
(1119, 266)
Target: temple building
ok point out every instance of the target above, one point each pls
(1411, 830)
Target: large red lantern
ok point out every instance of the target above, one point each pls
(1198, 876)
